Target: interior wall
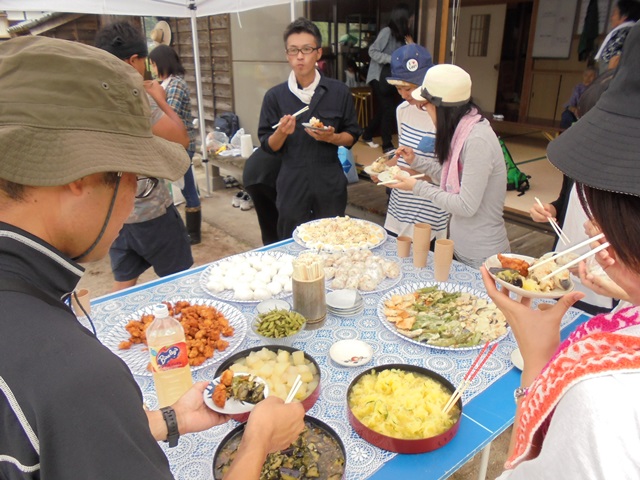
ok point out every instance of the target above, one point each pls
(258, 59)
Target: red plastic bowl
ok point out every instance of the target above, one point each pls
(307, 403)
(399, 445)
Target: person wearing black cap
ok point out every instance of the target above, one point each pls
(416, 130)
(587, 386)
(155, 235)
(77, 148)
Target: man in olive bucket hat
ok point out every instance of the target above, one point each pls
(76, 146)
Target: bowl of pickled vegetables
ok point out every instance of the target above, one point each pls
(278, 327)
(399, 408)
(317, 453)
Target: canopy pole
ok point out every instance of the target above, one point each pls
(196, 61)
(292, 4)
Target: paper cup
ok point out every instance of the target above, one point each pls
(420, 258)
(404, 246)
(421, 237)
(246, 146)
(442, 258)
(83, 298)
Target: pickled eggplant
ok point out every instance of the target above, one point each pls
(508, 275)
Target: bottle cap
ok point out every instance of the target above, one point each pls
(160, 310)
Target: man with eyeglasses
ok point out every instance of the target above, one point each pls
(76, 140)
(311, 183)
(154, 235)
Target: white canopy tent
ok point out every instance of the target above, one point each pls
(156, 8)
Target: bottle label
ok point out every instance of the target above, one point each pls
(169, 357)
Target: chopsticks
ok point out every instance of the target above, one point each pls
(575, 247)
(302, 110)
(468, 378)
(577, 260)
(390, 182)
(561, 235)
(294, 389)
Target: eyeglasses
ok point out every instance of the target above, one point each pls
(146, 186)
(306, 50)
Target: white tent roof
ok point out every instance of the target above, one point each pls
(156, 8)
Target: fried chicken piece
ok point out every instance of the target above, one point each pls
(516, 264)
(220, 395)
(227, 377)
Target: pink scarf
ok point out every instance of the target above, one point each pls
(451, 168)
(592, 350)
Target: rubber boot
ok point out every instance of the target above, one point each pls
(194, 224)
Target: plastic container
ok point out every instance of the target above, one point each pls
(169, 356)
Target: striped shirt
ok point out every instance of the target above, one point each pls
(406, 209)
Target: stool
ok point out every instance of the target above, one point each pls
(361, 103)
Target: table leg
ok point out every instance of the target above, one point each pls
(484, 462)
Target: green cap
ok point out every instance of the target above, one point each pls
(68, 110)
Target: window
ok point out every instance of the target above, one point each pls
(479, 35)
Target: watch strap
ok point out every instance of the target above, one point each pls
(173, 434)
(520, 392)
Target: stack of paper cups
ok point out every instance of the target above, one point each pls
(421, 242)
(246, 146)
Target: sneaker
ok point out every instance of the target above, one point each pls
(236, 201)
(246, 203)
(370, 143)
(230, 182)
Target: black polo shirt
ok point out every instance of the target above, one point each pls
(69, 407)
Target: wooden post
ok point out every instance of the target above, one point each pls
(527, 83)
(444, 29)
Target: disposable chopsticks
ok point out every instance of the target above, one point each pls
(390, 182)
(294, 389)
(469, 376)
(575, 247)
(561, 235)
(302, 110)
(577, 260)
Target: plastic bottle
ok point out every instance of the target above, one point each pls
(169, 356)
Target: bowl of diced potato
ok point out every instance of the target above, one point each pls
(400, 408)
(278, 365)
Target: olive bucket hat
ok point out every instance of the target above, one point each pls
(68, 110)
(602, 149)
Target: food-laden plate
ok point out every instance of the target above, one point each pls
(318, 450)
(555, 287)
(311, 127)
(232, 405)
(400, 407)
(389, 176)
(444, 316)
(137, 356)
(249, 277)
(339, 234)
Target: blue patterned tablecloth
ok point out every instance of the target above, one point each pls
(192, 458)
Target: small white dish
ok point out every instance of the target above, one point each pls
(343, 299)
(231, 406)
(311, 127)
(387, 176)
(351, 353)
(272, 304)
(516, 359)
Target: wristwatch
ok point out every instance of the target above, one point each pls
(519, 392)
(173, 434)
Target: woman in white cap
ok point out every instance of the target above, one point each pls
(577, 413)
(469, 166)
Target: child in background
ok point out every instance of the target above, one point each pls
(570, 113)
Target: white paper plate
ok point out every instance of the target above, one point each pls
(137, 357)
(494, 262)
(351, 353)
(387, 176)
(231, 406)
(311, 127)
(343, 299)
(516, 359)
(368, 171)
